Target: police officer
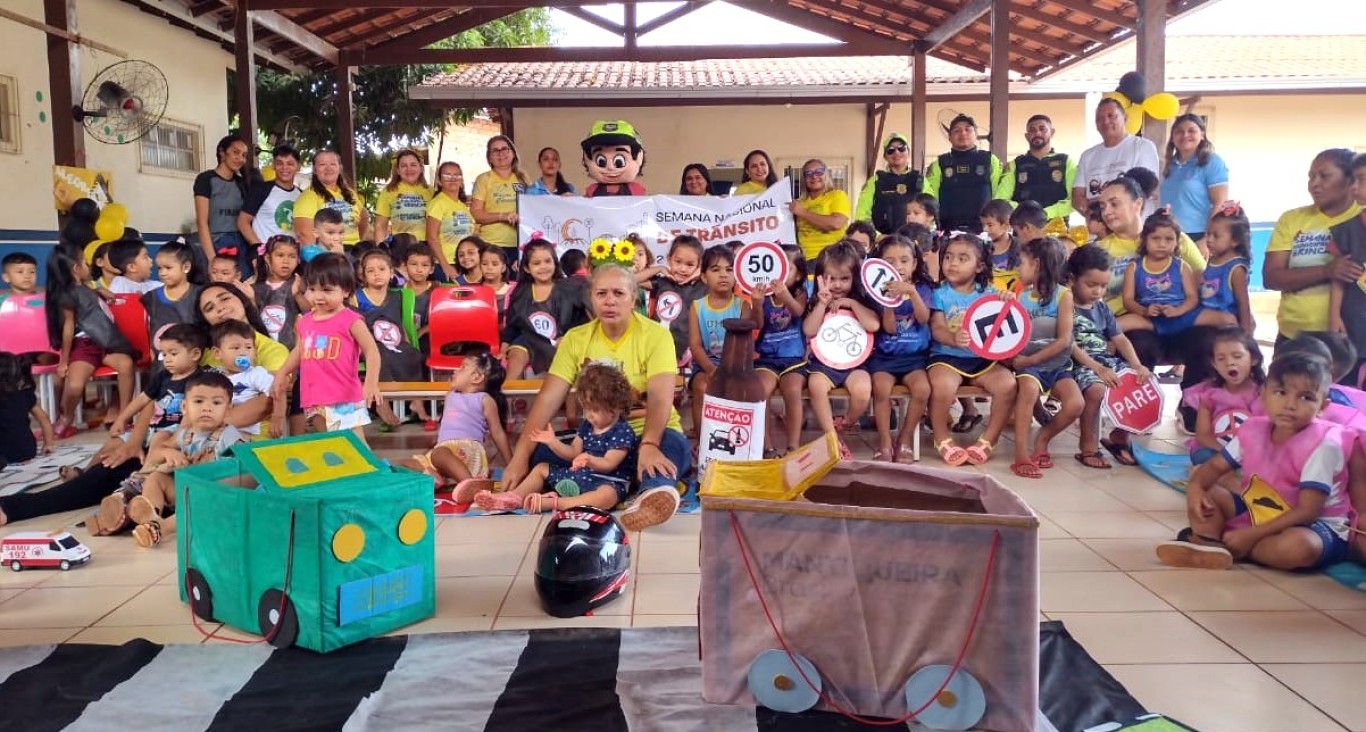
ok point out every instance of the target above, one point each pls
(884, 197)
(962, 178)
(1042, 174)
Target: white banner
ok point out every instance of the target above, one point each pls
(573, 223)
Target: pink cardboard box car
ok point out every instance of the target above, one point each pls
(879, 578)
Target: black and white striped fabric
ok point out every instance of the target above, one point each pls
(563, 680)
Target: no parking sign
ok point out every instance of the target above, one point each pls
(997, 329)
(760, 263)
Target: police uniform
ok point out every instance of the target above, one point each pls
(1042, 180)
(962, 181)
(887, 194)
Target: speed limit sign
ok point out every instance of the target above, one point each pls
(759, 263)
(997, 329)
(876, 273)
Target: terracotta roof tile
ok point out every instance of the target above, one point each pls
(1189, 59)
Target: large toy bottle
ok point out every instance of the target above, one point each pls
(733, 410)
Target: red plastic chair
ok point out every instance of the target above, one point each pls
(130, 317)
(23, 329)
(459, 316)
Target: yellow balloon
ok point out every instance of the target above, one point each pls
(108, 229)
(1119, 97)
(115, 211)
(1163, 105)
(1133, 120)
(268, 173)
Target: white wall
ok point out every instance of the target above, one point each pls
(1267, 141)
(196, 72)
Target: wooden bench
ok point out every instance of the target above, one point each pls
(400, 392)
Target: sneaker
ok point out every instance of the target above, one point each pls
(652, 508)
(1193, 556)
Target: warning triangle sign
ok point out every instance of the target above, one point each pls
(1263, 502)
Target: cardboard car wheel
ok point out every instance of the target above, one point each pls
(960, 706)
(275, 609)
(201, 595)
(777, 683)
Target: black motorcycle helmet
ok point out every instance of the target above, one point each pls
(584, 561)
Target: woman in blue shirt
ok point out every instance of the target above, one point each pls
(1194, 179)
(551, 182)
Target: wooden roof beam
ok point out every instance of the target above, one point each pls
(425, 36)
(1024, 9)
(664, 19)
(1085, 7)
(827, 26)
(294, 33)
(405, 55)
(366, 15)
(956, 23)
(594, 19)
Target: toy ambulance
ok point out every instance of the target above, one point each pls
(25, 549)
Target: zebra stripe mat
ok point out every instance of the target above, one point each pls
(563, 680)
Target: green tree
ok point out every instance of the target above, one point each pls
(385, 118)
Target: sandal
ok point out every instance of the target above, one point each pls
(141, 511)
(491, 501)
(1121, 453)
(903, 454)
(980, 452)
(1043, 460)
(147, 535)
(1026, 469)
(466, 490)
(845, 453)
(966, 423)
(538, 502)
(1094, 460)
(112, 516)
(888, 455)
(952, 454)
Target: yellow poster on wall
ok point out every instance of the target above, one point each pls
(72, 184)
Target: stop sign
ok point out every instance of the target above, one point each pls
(1133, 404)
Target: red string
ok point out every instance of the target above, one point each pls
(284, 594)
(957, 662)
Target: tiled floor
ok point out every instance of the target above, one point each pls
(1241, 651)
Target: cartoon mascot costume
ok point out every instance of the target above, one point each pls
(613, 157)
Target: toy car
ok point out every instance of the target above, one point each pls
(25, 549)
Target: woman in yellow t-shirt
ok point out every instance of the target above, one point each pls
(448, 217)
(822, 212)
(401, 208)
(330, 189)
(758, 174)
(1298, 262)
(494, 201)
(643, 350)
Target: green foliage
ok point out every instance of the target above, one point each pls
(302, 107)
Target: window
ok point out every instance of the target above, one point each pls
(9, 114)
(172, 147)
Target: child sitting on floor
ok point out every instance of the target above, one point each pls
(147, 498)
(1227, 400)
(1294, 509)
(593, 470)
(475, 410)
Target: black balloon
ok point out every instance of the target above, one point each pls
(86, 210)
(1132, 86)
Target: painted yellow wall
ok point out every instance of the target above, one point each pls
(1267, 141)
(196, 72)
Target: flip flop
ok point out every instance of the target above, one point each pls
(467, 489)
(966, 423)
(980, 452)
(1094, 460)
(1026, 469)
(1119, 452)
(1043, 460)
(490, 501)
